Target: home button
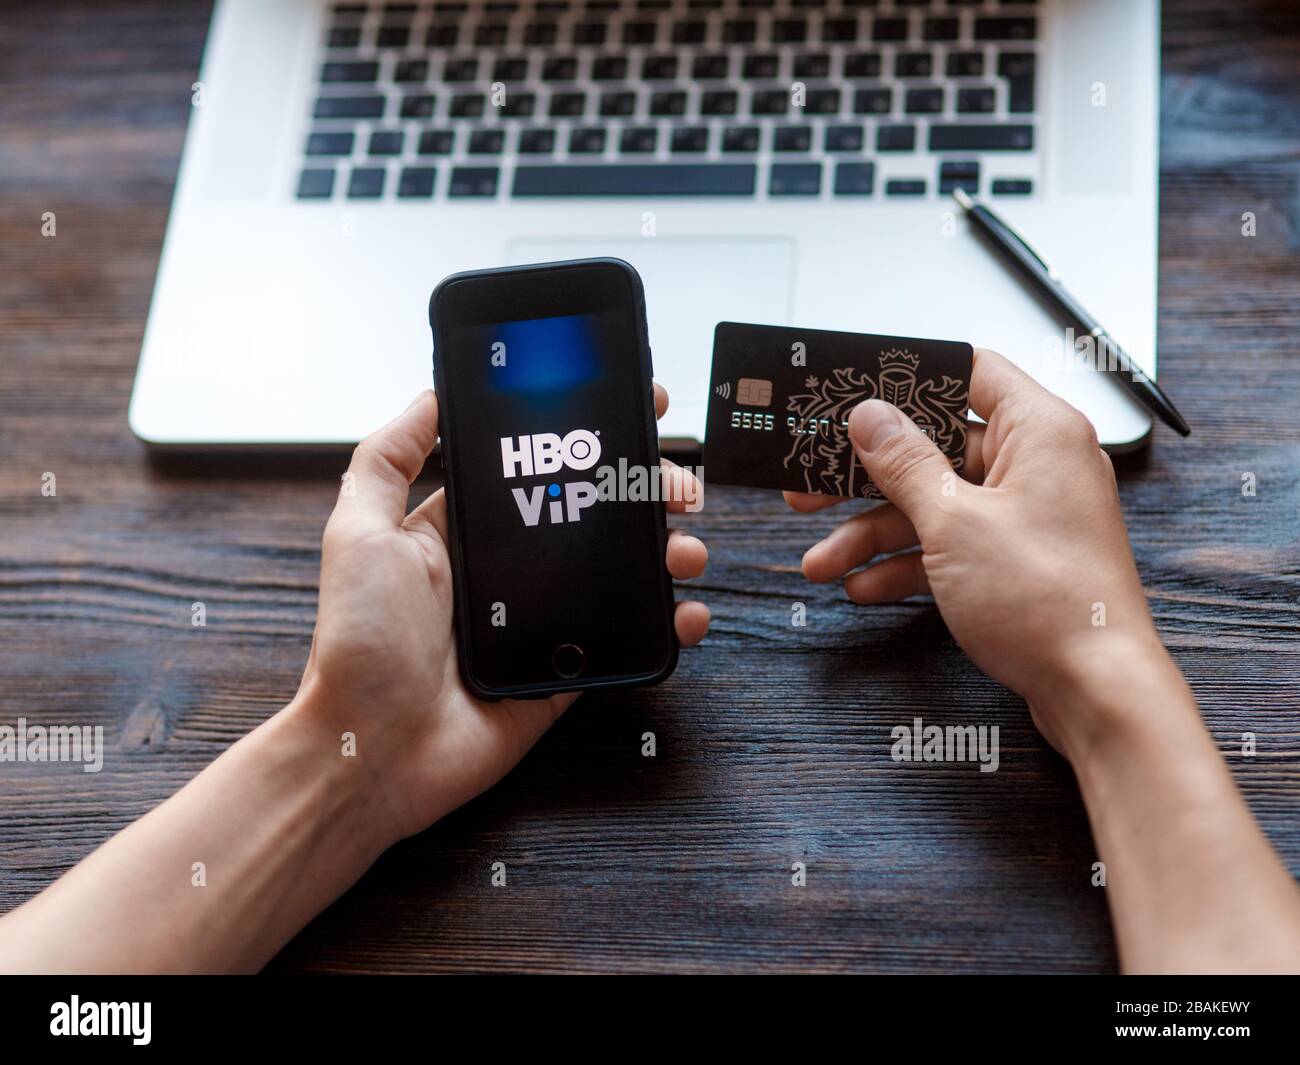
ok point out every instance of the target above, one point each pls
(568, 660)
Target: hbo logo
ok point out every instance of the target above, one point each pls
(545, 453)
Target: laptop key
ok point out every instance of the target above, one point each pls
(862, 65)
(944, 28)
(417, 106)
(344, 37)
(486, 141)
(473, 181)
(659, 67)
(518, 105)
(913, 65)
(975, 100)
(873, 101)
(366, 183)
(315, 184)
(568, 105)
(587, 140)
(411, 70)
(690, 31)
(541, 34)
(638, 139)
(349, 72)
(639, 33)
(854, 179)
(789, 30)
(510, 68)
(393, 36)
(794, 179)
(763, 66)
(962, 175)
(927, 101)
(436, 142)
(460, 68)
(667, 103)
(385, 142)
(467, 105)
(823, 102)
(589, 33)
(560, 68)
(349, 107)
(1002, 28)
(740, 139)
(792, 139)
(690, 139)
(441, 36)
(710, 67)
(416, 182)
(490, 34)
(981, 138)
(719, 102)
(329, 144)
(769, 102)
(965, 65)
(609, 68)
(536, 141)
(905, 187)
(889, 29)
(844, 138)
(896, 139)
(617, 104)
(637, 179)
(739, 31)
(812, 65)
(1020, 95)
(1012, 187)
(839, 30)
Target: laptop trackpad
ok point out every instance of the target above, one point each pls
(690, 286)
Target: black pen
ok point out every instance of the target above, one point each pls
(1045, 279)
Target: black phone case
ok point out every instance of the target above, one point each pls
(446, 434)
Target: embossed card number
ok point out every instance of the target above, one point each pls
(812, 379)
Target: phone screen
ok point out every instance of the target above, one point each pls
(548, 427)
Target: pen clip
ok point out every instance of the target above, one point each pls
(1015, 235)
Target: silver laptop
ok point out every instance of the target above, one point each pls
(778, 161)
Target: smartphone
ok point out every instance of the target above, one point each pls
(546, 410)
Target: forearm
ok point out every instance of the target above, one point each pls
(281, 825)
(1192, 883)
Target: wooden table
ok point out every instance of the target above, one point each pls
(773, 741)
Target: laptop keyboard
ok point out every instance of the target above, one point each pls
(780, 99)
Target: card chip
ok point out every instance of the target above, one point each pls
(754, 392)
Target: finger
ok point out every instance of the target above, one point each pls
(687, 556)
(661, 401)
(809, 502)
(691, 619)
(857, 541)
(889, 580)
(973, 466)
(906, 465)
(995, 381)
(432, 510)
(385, 463)
(682, 490)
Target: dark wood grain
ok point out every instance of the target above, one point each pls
(773, 741)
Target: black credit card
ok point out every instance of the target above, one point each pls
(780, 399)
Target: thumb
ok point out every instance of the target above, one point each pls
(902, 460)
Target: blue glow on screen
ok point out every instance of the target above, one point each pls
(547, 354)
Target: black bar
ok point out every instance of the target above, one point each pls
(649, 179)
(981, 138)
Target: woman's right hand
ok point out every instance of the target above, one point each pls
(1027, 558)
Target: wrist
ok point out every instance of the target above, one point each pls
(1113, 689)
(323, 748)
